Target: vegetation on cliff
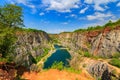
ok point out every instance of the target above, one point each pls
(110, 24)
(10, 17)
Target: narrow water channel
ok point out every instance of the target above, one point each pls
(59, 55)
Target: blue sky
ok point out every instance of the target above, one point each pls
(55, 16)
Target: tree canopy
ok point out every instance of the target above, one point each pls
(11, 15)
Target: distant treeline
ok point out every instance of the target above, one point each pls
(110, 24)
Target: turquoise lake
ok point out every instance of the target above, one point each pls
(59, 55)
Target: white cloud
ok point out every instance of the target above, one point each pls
(99, 16)
(98, 3)
(83, 10)
(21, 1)
(89, 1)
(61, 5)
(41, 14)
(118, 4)
(24, 2)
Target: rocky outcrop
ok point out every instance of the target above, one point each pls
(74, 41)
(103, 43)
(29, 45)
(99, 70)
(106, 44)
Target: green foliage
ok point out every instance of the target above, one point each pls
(55, 40)
(90, 29)
(99, 79)
(31, 30)
(11, 15)
(46, 51)
(7, 39)
(70, 69)
(116, 55)
(60, 66)
(80, 30)
(87, 54)
(3, 59)
(115, 62)
(110, 24)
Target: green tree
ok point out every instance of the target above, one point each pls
(7, 39)
(58, 65)
(11, 15)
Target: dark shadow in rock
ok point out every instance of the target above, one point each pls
(106, 75)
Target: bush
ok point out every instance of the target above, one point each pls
(58, 65)
(87, 54)
(3, 59)
(115, 62)
(7, 39)
(70, 69)
(46, 51)
(116, 55)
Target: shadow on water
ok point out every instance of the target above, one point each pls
(58, 56)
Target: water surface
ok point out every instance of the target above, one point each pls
(58, 56)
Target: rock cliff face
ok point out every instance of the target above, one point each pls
(103, 43)
(29, 45)
(74, 41)
(106, 44)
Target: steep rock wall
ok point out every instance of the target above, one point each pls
(106, 44)
(29, 45)
(103, 43)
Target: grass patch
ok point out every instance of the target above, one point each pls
(116, 55)
(87, 54)
(46, 50)
(3, 59)
(115, 62)
(60, 66)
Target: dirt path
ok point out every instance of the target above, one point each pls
(54, 74)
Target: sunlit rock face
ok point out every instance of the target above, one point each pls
(29, 45)
(107, 44)
(104, 43)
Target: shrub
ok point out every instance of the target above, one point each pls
(115, 62)
(3, 59)
(87, 54)
(116, 55)
(45, 50)
(58, 65)
(70, 69)
(7, 39)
